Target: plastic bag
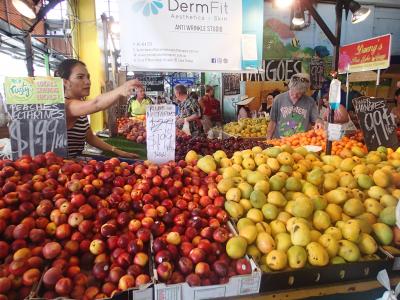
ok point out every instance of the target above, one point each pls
(383, 279)
(186, 128)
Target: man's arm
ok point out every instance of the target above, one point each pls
(271, 129)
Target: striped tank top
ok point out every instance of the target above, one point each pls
(77, 136)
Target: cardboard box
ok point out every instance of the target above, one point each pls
(237, 286)
(392, 253)
(143, 293)
(294, 279)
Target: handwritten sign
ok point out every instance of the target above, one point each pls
(37, 110)
(317, 69)
(160, 132)
(281, 70)
(231, 83)
(367, 55)
(377, 123)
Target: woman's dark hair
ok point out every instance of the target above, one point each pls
(275, 93)
(64, 69)
(397, 93)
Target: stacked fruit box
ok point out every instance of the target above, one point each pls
(142, 292)
(236, 285)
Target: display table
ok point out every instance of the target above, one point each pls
(126, 145)
(366, 290)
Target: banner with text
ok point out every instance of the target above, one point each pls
(179, 35)
(372, 54)
(37, 109)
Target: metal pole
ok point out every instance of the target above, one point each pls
(47, 64)
(339, 16)
(29, 54)
(105, 45)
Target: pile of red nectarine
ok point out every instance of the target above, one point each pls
(85, 227)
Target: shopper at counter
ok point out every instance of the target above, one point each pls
(76, 88)
(293, 111)
(396, 109)
(341, 116)
(211, 111)
(189, 112)
(266, 105)
(137, 104)
(243, 110)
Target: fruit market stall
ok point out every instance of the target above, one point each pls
(91, 229)
(84, 228)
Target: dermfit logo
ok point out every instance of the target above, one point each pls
(148, 7)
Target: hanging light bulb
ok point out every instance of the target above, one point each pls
(298, 18)
(25, 8)
(360, 13)
(283, 3)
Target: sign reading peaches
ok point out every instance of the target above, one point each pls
(37, 110)
(367, 55)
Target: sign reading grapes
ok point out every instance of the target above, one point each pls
(377, 123)
(37, 109)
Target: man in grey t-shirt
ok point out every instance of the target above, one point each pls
(293, 111)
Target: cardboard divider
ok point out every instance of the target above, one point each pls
(144, 292)
(311, 276)
(237, 285)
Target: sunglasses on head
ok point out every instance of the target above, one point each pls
(302, 79)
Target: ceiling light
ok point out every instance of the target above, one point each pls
(298, 19)
(283, 3)
(25, 8)
(360, 13)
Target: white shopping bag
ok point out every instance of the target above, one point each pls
(186, 128)
(383, 279)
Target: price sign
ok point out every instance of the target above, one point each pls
(377, 123)
(335, 132)
(317, 69)
(37, 110)
(160, 132)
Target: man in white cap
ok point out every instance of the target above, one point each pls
(293, 111)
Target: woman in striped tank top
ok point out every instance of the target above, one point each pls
(76, 87)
